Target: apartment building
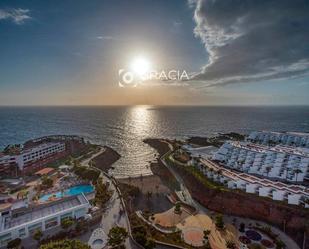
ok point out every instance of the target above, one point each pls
(278, 191)
(296, 139)
(280, 162)
(21, 222)
(25, 158)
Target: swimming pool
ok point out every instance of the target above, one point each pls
(69, 192)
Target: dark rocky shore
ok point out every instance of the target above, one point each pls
(105, 160)
(216, 141)
(158, 144)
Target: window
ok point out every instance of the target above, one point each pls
(80, 212)
(34, 227)
(51, 222)
(66, 215)
(4, 239)
(22, 232)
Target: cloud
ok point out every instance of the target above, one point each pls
(177, 23)
(105, 37)
(17, 16)
(249, 41)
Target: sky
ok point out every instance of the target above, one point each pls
(235, 52)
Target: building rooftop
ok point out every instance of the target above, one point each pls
(42, 211)
(295, 189)
(39, 147)
(44, 171)
(278, 148)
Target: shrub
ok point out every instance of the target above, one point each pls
(177, 209)
(67, 244)
(117, 236)
(15, 243)
(219, 221)
(102, 194)
(67, 223)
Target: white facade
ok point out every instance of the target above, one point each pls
(285, 138)
(264, 191)
(294, 199)
(279, 195)
(278, 191)
(42, 217)
(280, 162)
(33, 154)
(251, 188)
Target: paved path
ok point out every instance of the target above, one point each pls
(86, 161)
(113, 215)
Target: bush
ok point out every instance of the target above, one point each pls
(67, 223)
(86, 173)
(15, 243)
(102, 194)
(280, 245)
(37, 235)
(219, 221)
(177, 208)
(242, 228)
(140, 235)
(67, 244)
(117, 236)
(46, 182)
(230, 244)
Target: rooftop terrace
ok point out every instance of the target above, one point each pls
(43, 211)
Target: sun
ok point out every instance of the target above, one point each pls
(140, 65)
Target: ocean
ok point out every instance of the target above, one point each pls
(124, 128)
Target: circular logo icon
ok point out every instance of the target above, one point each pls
(126, 78)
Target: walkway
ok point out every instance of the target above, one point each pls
(86, 161)
(113, 215)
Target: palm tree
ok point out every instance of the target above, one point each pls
(268, 168)
(230, 244)
(149, 195)
(206, 234)
(37, 235)
(117, 236)
(296, 172)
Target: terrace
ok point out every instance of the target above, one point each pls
(43, 211)
(253, 184)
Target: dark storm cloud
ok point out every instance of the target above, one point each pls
(252, 40)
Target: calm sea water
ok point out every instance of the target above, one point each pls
(124, 128)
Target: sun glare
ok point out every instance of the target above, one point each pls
(140, 65)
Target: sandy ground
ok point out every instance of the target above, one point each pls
(169, 218)
(147, 184)
(193, 227)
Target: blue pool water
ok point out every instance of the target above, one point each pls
(69, 192)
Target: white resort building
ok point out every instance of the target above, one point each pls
(286, 138)
(267, 164)
(20, 221)
(23, 158)
(280, 162)
(279, 191)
